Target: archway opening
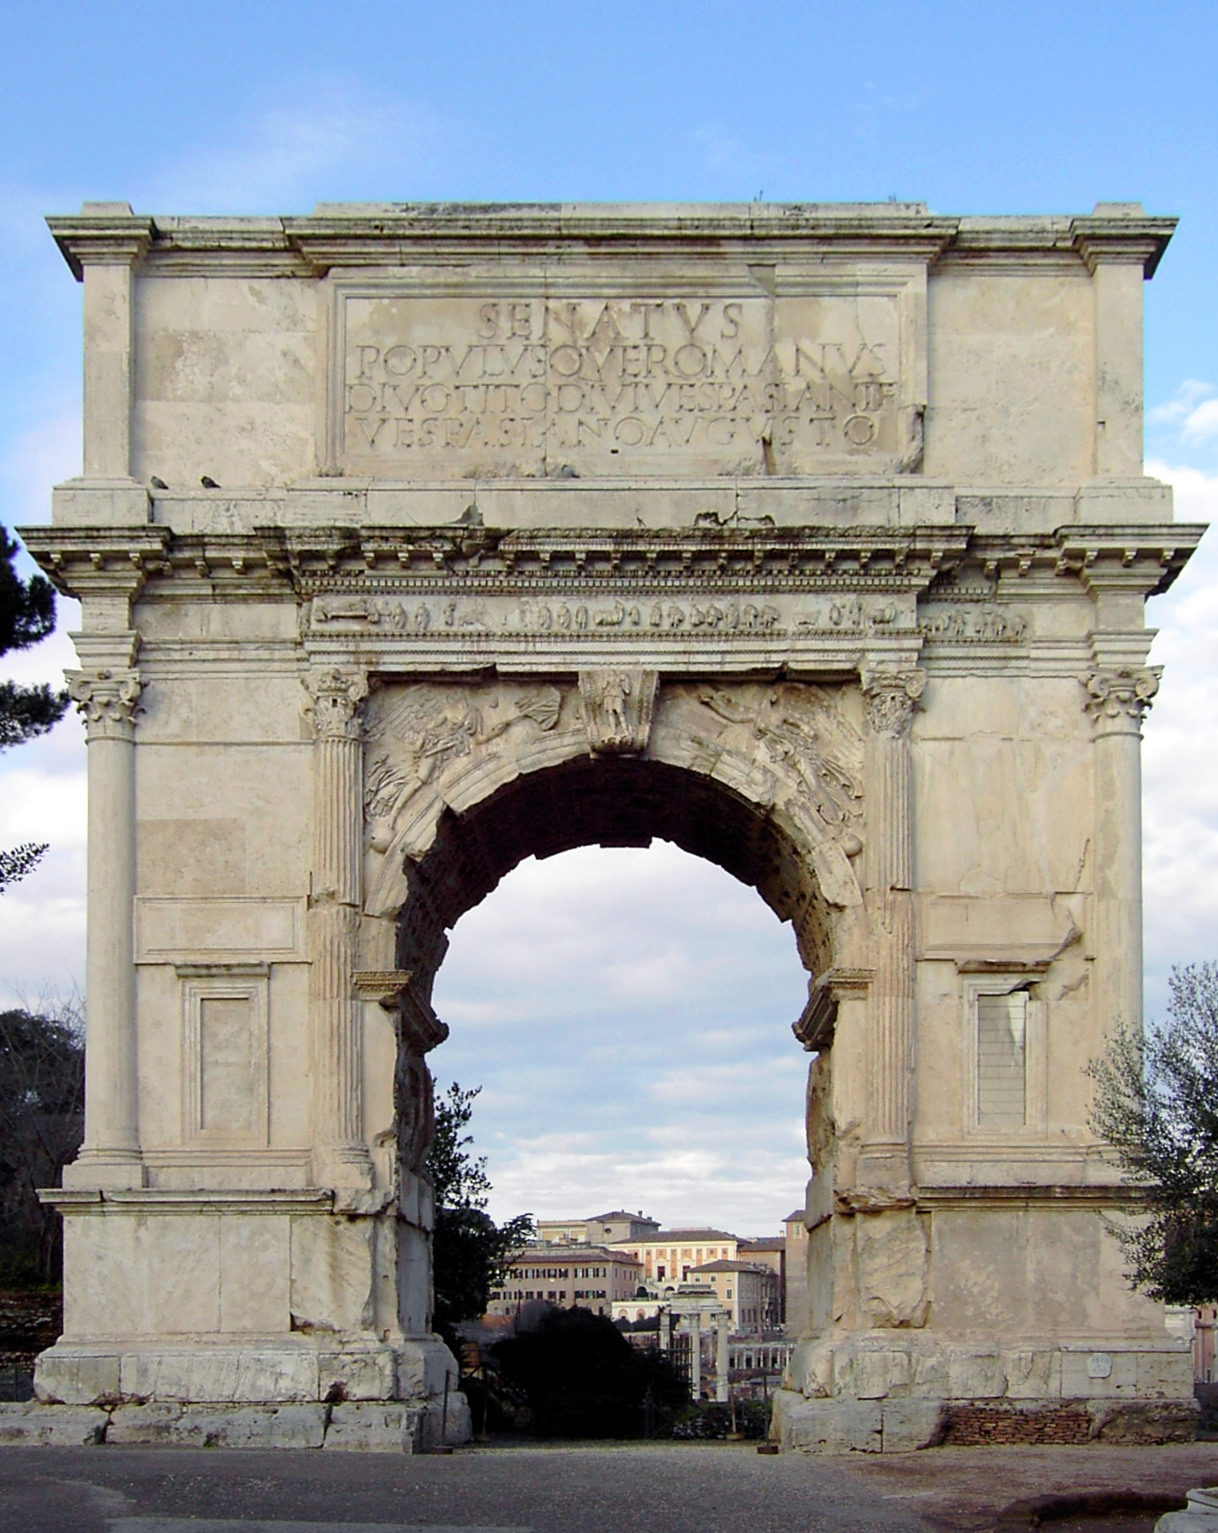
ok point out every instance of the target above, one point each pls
(614, 801)
(623, 802)
(627, 1013)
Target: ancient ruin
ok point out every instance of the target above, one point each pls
(414, 540)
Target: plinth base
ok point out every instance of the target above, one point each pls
(263, 1387)
(381, 1426)
(902, 1426)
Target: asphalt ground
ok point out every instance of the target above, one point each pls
(634, 1488)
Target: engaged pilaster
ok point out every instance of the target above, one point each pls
(892, 696)
(335, 706)
(108, 700)
(1117, 701)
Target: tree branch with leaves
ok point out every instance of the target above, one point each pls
(470, 1252)
(1156, 1103)
(27, 614)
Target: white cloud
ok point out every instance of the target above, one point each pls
(1180, 788)
(42, 919)
(1202, 420)
(43, 455)
(328, 130)
(679, 1088)
(1182, 403)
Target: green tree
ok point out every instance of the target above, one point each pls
(27, 614)
(580, 1377)
(1156, 1103)
(470, 1252)
(42, 1088)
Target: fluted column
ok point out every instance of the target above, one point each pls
(108, 700)
(335, 703)
(1118, 699)
(892, 695)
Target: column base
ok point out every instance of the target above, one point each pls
(117, 1170)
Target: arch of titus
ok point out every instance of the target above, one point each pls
(415, 540)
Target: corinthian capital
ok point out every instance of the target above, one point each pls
(892, 698)
(1121, 696)
(335, 699)
(108, 701)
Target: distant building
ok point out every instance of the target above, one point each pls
(601, 1229)
(746, 1290)
(771, 1252)
(669, 1256)
(589, 1276)
(1197, 1325)
(797, 1306)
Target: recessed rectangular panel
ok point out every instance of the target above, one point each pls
(172, 930)
(227, 1067)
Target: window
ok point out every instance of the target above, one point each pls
(1002, 1060)
(1005, 1048)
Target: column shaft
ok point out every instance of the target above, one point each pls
(891, 697)
(110, 1156)
(334, 916)
(1117, 701)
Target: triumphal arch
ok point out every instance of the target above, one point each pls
(413, 540)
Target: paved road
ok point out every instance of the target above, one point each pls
(645, 1488)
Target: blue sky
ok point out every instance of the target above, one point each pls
(269, 107)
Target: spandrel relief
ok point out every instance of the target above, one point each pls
(416, 735)
(809, 748)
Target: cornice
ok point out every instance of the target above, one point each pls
(102, 234)
(363, 235)
(875, 557)
(92, 561)
(1142, 559)
(941, 562)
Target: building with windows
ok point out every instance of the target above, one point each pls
(603, 1229)
(587, 1276)
(748, 1292)
(669, 1256)
(769, 1252)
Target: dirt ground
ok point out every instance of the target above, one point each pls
(963, 1489)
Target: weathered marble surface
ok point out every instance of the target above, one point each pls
(414, 540)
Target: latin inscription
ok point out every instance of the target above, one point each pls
(618, 385)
